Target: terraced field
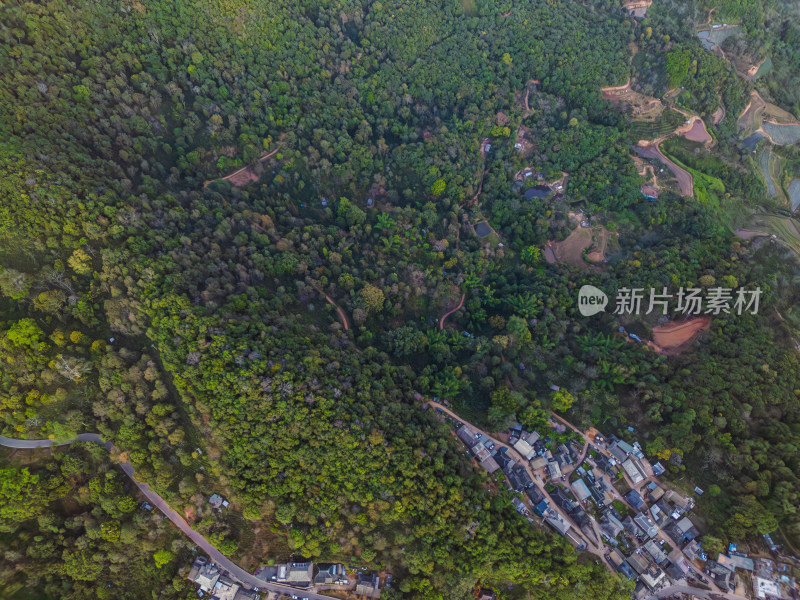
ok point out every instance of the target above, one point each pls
(666, 124)
(786, 229)
(794, 193)
(764, 160)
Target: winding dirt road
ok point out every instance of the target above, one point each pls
(339, 310)
(450, 312)
(653, 150)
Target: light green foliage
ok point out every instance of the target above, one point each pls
(227, 374)
(438, 187)
(531, 255)
(162, 558)
(562, 400)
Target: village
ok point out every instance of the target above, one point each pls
(605, 496)
(600, 492)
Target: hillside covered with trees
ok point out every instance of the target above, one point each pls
(195, 321)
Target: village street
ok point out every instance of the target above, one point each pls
(597, 549)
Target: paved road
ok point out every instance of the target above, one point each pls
(27, 444)
(215, 555)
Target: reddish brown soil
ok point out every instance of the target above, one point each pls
(339, 311)
(675, 337)
(698, 133)
(450, 312)
(619, 90)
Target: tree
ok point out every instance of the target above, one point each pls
(373, 298)
(713, 546)
(531, 255)
(561, 401)
(22, 496)
(80, 262)
(162, 558)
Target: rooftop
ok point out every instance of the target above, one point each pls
(579, 486)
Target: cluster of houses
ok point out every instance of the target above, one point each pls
(533, 449)
(653, 544)
(216, 583)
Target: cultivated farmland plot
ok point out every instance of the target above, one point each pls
(783, 135)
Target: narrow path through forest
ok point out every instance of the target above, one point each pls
(450, 312)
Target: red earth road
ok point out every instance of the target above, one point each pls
(450, 312)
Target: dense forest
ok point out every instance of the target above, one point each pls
(194, 321)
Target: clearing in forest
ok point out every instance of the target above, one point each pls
(685, 182)
(772, 167)
(750, 234)
(639, 107)
(713, 38)
(638, 8)
(780, 125)
(697, 132)
(585, 247)
(675, 337)
(750, 117)
(785, 230)
(794, 193)
(782, 134)
(245, 175)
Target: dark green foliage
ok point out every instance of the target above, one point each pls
(231, 371)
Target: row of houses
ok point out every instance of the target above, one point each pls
(215, 582)
(533, 448)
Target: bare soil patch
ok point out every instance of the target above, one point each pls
(638, 8)
(749, 119)
(616, 90)
(675, 337)
(779, 115)
(521, 142)
(249, 174)
(685, 181)
(749, 234)
(718, 115)
(591, 240)
(450, 312)
(698, 132)
(640, 107)
(570, 251)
